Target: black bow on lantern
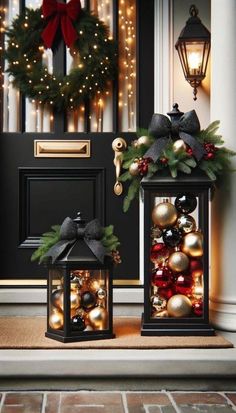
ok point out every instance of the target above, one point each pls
(70, 232)
(182, 125)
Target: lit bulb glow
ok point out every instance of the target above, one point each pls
(194, 61)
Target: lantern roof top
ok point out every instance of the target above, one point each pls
(197, 178)
(194, 30)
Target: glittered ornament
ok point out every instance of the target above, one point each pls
(183, 284)
(159, 303)
(93, 284)
(143, 140)
(77, 323)
(186, 224)
(98, 318)
(162, 277)
(134, 168)
(156, 232)
(179, 306)
(178, 261)
(88, 300)
(159, 253)
(172, 237)
(197, 290)
(179, 146)
(193, 244)
(56, 298)
(164, 214)
(198, 308)
(195, 267)
(160, 314)
(101, 294)
(168, 292)
(56, 320)
(185, 203)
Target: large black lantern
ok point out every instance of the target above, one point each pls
(79, 295)
(176, 256)
(193, 46)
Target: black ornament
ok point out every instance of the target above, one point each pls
(172, 237)
(56, 298)
(77, 323)
(88, 300)
(185, 203)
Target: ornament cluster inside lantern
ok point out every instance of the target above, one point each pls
(176, 258)
(79, 296)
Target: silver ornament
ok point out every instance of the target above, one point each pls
(158, 302)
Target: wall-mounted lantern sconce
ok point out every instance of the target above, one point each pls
(193, 46)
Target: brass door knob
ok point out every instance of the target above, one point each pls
(118, 145)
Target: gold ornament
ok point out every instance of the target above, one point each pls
(93, 285)
(101, 294)
(186, 223)
(74, 299)
(179, 146)
(164, 214)
(158, 302)
(143, 140)
(98, 318)
(56, 320)
(88, 328)
(178, 261)
(179, 306)
(160, 314)
(133, 169)
(193, 244)
(156, 232)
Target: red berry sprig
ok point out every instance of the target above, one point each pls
(143, 165)
(210, 149)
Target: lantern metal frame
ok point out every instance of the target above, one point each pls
(194, 33)
(66, 334)
(201, 187)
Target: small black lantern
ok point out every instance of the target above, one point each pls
(79, 295)
(176, 256)
(193, 46)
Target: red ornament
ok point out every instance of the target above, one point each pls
(162, 277)
(159, 253)
(183, 284)
(196, 267)
(198, 308)
(167, 293)
(60, 15)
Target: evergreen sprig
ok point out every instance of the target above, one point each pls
(93, 70)
(177, 161)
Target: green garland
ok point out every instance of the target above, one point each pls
(48, 239)
(97, 61)
(174, 161)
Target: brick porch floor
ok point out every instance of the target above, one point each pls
(117, 402)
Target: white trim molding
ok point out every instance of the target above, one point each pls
(164, 52)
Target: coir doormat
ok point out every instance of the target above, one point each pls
(28, 333)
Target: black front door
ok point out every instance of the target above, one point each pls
(39, 191)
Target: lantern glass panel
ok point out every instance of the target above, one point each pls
(89, 298)
(176, 256)
(56, 299)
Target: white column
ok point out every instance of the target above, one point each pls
(223, 95)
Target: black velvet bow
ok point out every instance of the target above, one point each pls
(162, 128)
(70, 232)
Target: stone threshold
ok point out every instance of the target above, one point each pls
(178, 363)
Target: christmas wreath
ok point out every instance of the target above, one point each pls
(174, 145)
(88, 40)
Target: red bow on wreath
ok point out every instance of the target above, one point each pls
(63, 14)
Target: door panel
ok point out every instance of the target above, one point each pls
(40, 192)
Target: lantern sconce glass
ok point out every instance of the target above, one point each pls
(193, 46)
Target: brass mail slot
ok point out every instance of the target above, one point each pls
(61, 148)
